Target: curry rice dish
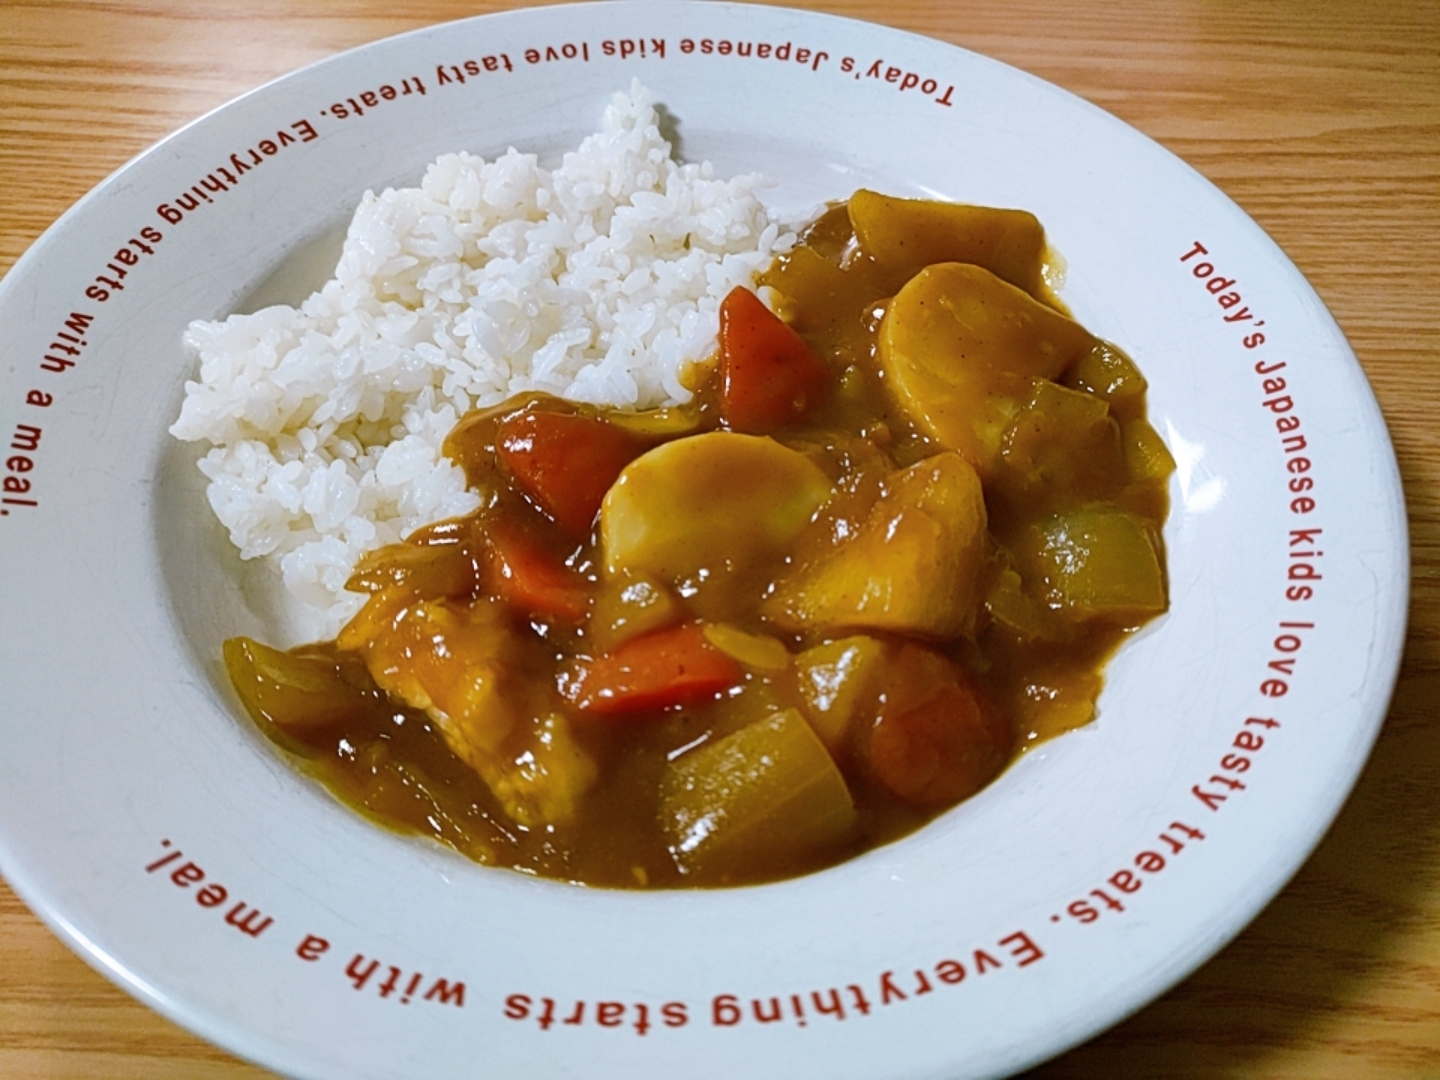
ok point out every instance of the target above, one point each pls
(882, 538)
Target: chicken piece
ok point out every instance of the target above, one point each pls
(467, 668)
(911, 568)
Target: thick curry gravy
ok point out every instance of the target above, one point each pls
(796, 619)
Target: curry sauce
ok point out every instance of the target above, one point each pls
(889, 545)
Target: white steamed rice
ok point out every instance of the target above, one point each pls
(599, 281)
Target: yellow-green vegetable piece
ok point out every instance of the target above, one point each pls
(907, 235)
(629, 605)
(717, 502)
(1096, 563)
(910, 568)
(664, 423)
(1146, 456)
(759, 652)
(295, 694)
(959, 348)
(837, 682)
(1061, 449)
(755, 796)
(1108, 373)
(1010, 606)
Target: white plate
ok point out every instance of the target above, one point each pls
(127, 773)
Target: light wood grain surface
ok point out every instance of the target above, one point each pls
(1321, 118)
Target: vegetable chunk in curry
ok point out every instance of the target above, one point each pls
(890, 545)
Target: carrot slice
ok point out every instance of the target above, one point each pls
(532, 581)
(769, 378)
(675, 666)
(565, 462)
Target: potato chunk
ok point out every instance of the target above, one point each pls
(766, 791)
(707, 507)
(959, 348)
(911, 568)
(907, 235)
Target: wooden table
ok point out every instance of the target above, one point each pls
(1320, 117)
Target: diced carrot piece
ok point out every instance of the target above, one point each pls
(933, 742)
(565, 462)
(675, 666)
(768, 376)
(533, 581)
